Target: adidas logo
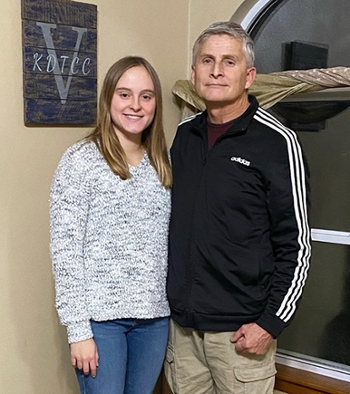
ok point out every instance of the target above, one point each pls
(240, 160)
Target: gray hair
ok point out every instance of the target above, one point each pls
(231, 29)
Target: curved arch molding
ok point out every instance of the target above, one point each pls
(248, 11)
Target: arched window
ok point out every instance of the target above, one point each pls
(305, 34)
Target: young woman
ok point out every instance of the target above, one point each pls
(109, 214)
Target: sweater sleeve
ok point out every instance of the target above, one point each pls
(69, 205)
(288, 202)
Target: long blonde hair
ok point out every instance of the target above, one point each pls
(153, 137)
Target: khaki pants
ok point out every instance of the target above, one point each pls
(207, 363)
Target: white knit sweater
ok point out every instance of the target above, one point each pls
(108, 241)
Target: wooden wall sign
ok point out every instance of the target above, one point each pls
(59, 62)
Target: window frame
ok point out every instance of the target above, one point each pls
(248, 14)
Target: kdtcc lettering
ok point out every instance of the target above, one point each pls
(52, 60)
(52, 63)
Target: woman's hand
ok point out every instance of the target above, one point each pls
(84, 356)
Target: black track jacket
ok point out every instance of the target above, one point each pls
(239, 236)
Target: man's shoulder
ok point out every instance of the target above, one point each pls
(190, 120)
(188, 131)
(267, 122)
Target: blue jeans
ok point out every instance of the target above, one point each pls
(131, 354)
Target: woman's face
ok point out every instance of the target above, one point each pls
(134, 103)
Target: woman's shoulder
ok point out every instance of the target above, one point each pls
(81, 152)
(81, 149)
(79, 158)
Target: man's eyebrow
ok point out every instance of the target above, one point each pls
(225, 56)
(230, 56)
(205, 55)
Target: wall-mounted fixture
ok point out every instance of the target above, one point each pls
(59, 62)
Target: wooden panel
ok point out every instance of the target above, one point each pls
(38, 111)
(59, 62)
(37, 61)
(63, 37)
(65, 13)
(288, 380)
(44, 87)
(292, 388)
(295, 381)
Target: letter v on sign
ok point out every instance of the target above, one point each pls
(63, 89)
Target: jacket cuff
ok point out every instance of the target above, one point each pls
(272, 324)
(79, 331)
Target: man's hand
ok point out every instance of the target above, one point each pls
(84, 356)
(251, 339)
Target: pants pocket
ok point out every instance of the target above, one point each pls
(255, 380)
(170, 370)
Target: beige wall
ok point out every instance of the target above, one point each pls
(33, 352)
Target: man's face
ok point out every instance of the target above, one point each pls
(221, 74)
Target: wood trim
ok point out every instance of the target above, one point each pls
(289, 380)
(296, 381)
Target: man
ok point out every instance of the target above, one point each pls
(239, 236)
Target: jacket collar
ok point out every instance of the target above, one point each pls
(240, 125)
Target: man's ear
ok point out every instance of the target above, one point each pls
(193, 75)
(251, 73)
